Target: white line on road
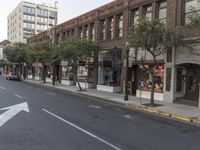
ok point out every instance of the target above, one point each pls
(93, 106)
(18, 96)
(2, 88)
(83, 130)
(53, 94)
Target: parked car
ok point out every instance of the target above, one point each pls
(12, 76)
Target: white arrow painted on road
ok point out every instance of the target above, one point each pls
(12, 111)
(2, 88)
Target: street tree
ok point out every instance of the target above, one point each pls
(78, 49)
(155, 38)
(16, 54)
(42, 52)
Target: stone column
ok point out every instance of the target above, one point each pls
(170, 79)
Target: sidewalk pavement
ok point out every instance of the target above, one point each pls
(176, 111)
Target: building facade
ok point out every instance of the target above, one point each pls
(28, 19)
(177, 75)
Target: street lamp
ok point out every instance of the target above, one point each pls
(126, 77)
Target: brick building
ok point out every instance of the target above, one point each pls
(178, 72)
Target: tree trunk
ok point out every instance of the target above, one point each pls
(54, 74)
(44, 73)
(152, 87)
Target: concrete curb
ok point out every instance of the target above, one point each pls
(184, 118)
(179, 117)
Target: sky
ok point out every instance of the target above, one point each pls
(67, 9)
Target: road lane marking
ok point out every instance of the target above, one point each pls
(83, 130)
(2, 88)
(53, 94)
(93, 106)
(12, 111)
(18, 96)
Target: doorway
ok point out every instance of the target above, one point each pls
(192, 82)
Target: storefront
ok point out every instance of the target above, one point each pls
(183, 76)
(85, 74)
(145, 82)
(67, 73)
(187, 84)
(109, 70)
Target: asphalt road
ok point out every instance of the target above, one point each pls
(60, 121)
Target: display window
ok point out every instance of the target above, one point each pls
(86, 73)
(67, 73)
(145, 78)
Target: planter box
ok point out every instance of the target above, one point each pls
(147, 95)
(30, 77)
(48, 80)
(112, 89)
(37, 78)
(67, 82)
(85, 85)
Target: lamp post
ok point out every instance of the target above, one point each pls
(126, 76)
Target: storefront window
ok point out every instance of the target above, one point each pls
(67, 73)
(85, 73)
(110, 69)
(146, 78)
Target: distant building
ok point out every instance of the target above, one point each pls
(28, 19)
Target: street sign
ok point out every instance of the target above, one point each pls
(64, 63)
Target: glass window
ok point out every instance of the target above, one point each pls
(162, 11)
(103, 29)
(92, 32)
(119, 25)
(148, 12)
(110, 28)
(145, 78)
(135, 18)
(80, 32)
(86, 31)
(191, 6)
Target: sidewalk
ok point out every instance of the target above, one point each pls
(177, 111)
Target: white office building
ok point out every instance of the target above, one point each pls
(28, 19)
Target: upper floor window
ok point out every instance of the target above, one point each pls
(191, 6)
(135, 18)
(86, 31)
(41, 12)
(110, 27)
(103, 29)
(92, 32)
(119, 25)
(162, 11)
(80, 32)
(147, 12)
(29, 10)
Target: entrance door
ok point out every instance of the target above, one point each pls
(192, 80)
